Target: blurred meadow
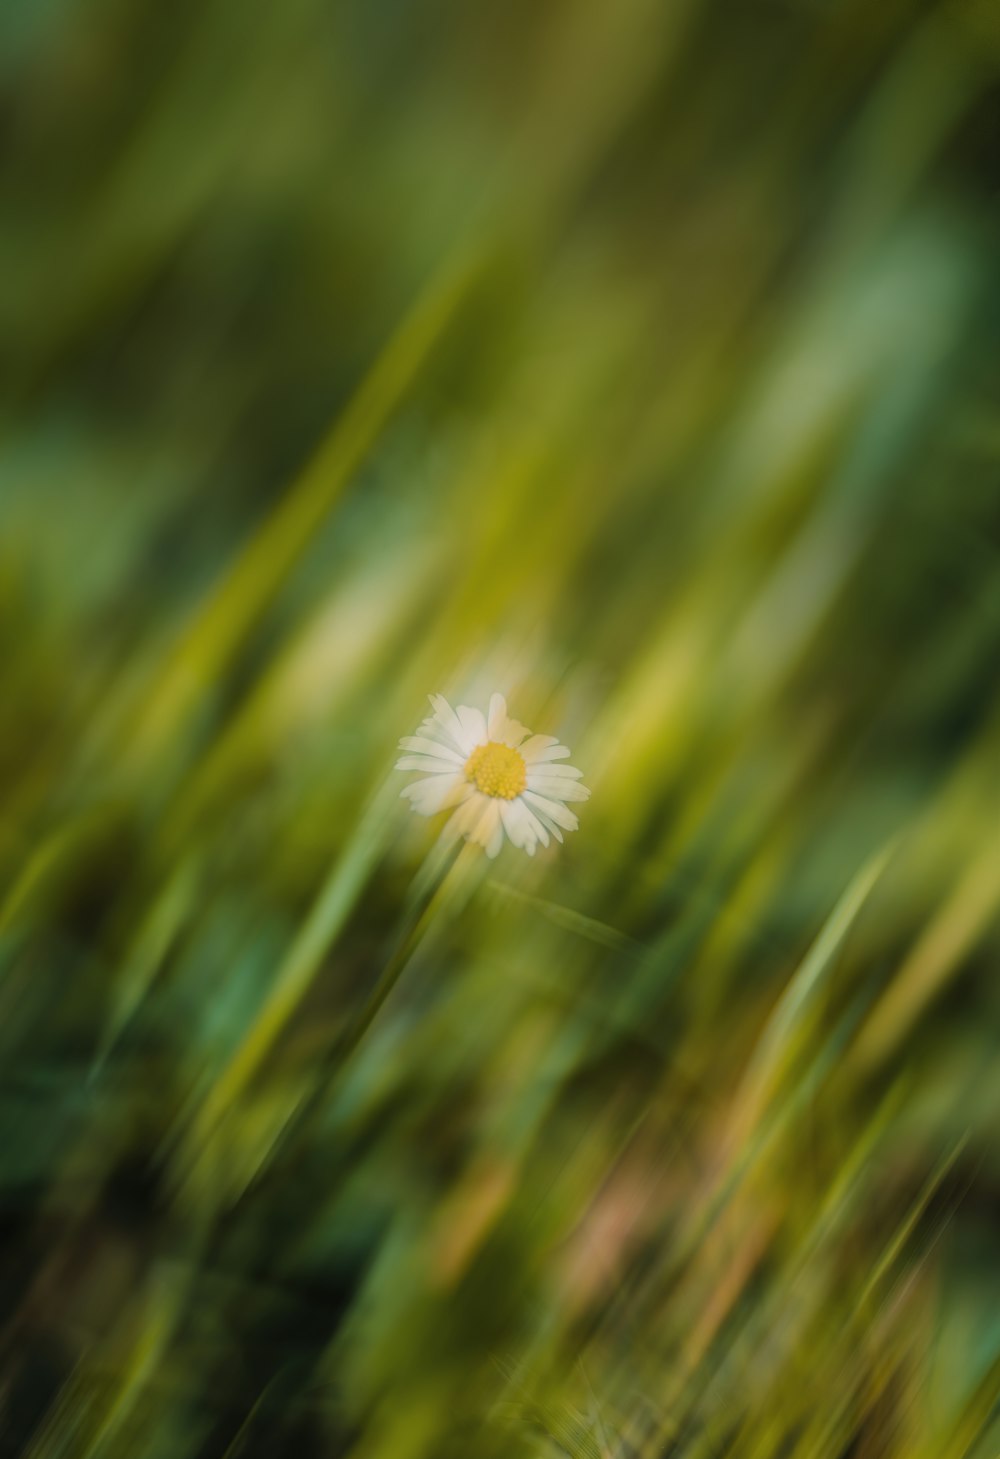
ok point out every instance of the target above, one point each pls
(637, 359)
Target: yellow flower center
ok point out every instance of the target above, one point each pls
(496, 770)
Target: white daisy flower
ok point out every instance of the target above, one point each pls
(495, 775)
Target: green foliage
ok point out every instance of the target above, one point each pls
(636, 360)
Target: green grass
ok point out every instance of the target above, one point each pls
(636, 360)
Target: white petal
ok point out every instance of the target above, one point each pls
(497, 715)
(429, 764)
(436, 793)
(431, 747)
(546, 823)
(538, 823)
(435, 729)
(512, 822)
(514, 815)
(543, 747)
(563, 772)
(431, 731)
(487, 830)
(531, 747)
(558, 789)
(473, 724)
(446, 720)
(535, 827)
(554, 810)
(464, 821)
(513, 733)
(501, 727)
(495, 842)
